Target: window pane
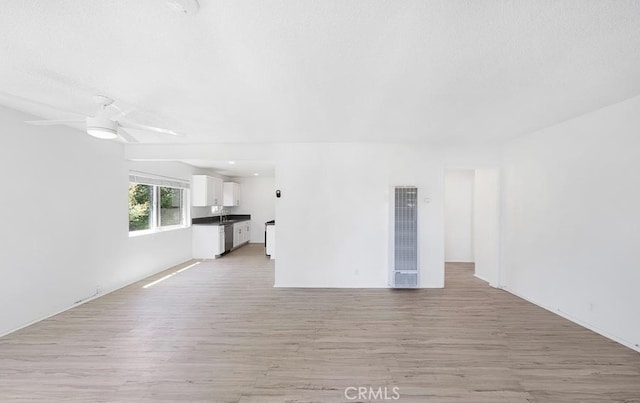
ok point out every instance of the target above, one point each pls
(140, 199)
(170, 206)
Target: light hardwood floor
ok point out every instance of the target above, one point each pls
(219, 332)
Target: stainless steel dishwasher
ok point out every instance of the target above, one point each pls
(228, 237)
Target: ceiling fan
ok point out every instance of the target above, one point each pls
(108, 123)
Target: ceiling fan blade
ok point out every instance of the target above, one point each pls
(53, 122)
(148, 128)
(126, 136)
(35, 107)
(120, 112)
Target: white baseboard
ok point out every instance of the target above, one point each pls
(91, 298)
(582, 323)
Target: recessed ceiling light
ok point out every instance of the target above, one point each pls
(256, 174)
(231, 162)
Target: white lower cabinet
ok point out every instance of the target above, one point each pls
(207, 241)
(221, 241)
(247, 231)
(241, 233)
(237, 234)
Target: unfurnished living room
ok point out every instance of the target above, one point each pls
(320, 201)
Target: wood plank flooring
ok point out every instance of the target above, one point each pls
(219, 332)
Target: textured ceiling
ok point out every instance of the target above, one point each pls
(236, 168)
(444, 71)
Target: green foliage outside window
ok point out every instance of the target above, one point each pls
(142, 209)
(140, 198)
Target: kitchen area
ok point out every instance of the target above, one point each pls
(229, 213)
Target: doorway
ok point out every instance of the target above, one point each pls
(471, 206)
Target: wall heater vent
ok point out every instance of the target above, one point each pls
(405, 270)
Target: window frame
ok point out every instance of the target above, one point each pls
(157, 182)
(157, 204)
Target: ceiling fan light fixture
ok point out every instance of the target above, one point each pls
(106, 124)
(102, 128)
(102, 133)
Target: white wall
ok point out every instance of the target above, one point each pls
(258, 199)
(334, 214)
(486, 224)
(458, 215)
(65, 221)
(572, 220)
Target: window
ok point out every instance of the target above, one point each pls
(140, 203)
(156, 204)
(171, 206)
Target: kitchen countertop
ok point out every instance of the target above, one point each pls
(215, 220)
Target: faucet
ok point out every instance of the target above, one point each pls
(222, 216)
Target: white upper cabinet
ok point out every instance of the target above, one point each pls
(231, 194)
(206, 191)
(217, 192)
